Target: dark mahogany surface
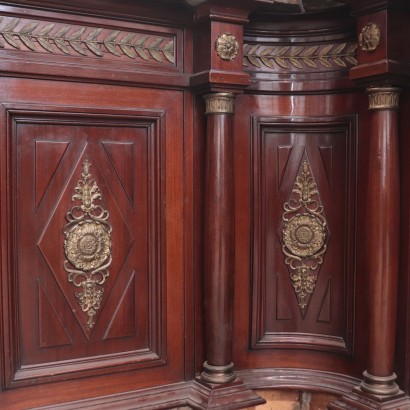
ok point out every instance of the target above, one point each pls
(130, 150)
(137, 114)
(272, 322)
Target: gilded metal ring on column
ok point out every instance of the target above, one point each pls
(219, 103)
(382, 98)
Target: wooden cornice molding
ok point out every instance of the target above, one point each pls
(362, 7)
(224, 11)
(164, 11)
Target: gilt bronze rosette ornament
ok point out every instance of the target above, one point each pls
(304, 235)
(369, 37)
(227, 46)
(87, 245)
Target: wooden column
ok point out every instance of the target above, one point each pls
(383, 240)
(218, 239)
(379, 389)
(218, 72)
(218, 387)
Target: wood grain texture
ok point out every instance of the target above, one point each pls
(304, 53)
(403, 366)
(59, 44)
(383, 240)
(139, 329)
(218, 239)
(330, 139)
(135, 227)
(120, 83)
(266, 165)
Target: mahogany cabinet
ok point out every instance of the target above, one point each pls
(200, 199)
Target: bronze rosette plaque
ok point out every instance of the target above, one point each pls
(369, 37)
(227, 46)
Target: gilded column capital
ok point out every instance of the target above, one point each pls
(383, 98)
(219, 103)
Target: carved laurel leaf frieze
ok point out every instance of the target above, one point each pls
(300, 57)
(55, 38)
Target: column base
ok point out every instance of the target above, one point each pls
(230, 396)
(218, 374)
(361, 400)
(379, 386)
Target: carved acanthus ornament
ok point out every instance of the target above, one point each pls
(87, 245)
(304, 234)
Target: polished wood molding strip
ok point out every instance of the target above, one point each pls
(315, 380)
(196, 394)
(169, 396)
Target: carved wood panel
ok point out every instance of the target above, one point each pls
(303, 233)
(71, 40)
(124, 157)
(61, 45)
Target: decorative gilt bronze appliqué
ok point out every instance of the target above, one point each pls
(369, 37)
(226, 46)
(87, 245)
(304, 235)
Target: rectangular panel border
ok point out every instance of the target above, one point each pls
(17, 374)
(259, 338)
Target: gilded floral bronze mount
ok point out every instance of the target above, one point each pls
(369, 37)
(304, 235)
(227, 46)
(87, 245)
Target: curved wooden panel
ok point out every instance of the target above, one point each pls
(325, 146)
